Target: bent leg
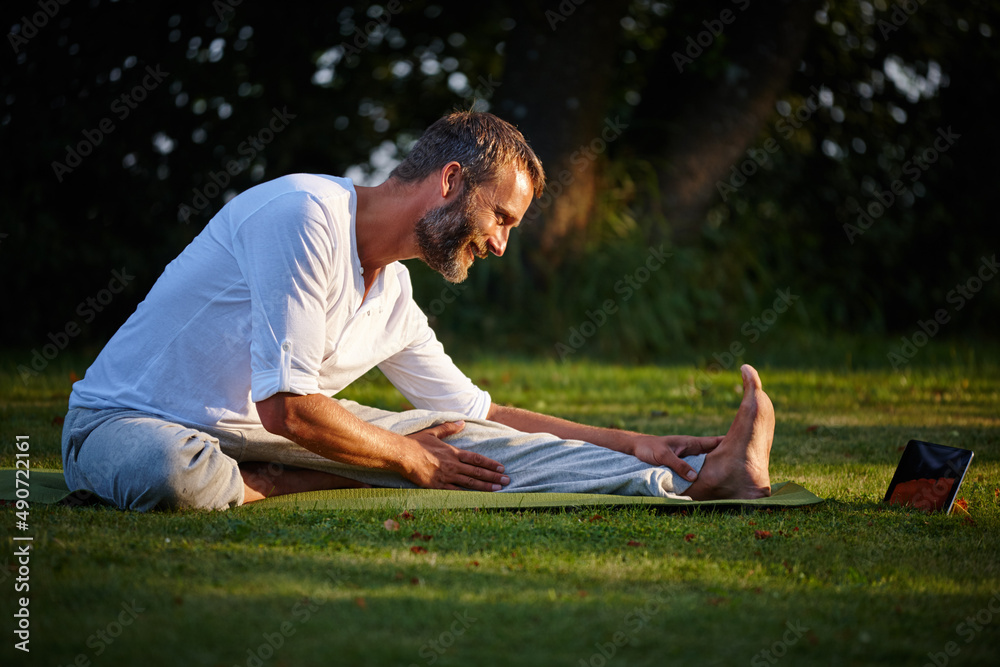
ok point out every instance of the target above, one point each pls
(140, 461)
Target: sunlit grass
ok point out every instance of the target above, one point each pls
(846, 582)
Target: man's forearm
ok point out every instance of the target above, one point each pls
(324, 427)
(534, 422)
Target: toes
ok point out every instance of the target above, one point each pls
(751, 379)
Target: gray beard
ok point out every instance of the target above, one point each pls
(444, 233)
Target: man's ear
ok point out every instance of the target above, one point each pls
(451, 179)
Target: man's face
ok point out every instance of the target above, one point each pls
(476, 222)
(446, 234)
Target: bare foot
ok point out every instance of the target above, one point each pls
(738, 467)
(264, 480)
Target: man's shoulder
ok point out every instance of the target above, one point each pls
(314, 186)
(295, 196)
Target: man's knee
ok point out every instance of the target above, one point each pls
(191, 474)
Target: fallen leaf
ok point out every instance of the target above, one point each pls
(596, 517)
(415, 581)
(73, 377)
(390, 524)
(405, 515)
(751, 523)
(715, 601)
(961, 502)
(58, 421)
(633, 543)
(361, 602)
(582, 594)
(762, 534)
(418, 550)
(474, 563)
(689, 537)
(810, 429)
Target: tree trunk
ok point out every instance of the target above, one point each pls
(694, 129)
(559, 67)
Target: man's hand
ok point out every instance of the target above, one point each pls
(447, 467)
(667, 450)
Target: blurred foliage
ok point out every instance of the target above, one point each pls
(358, 82)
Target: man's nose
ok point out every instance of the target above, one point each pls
(498, 242)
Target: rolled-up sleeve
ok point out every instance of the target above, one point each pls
(285, 250)
(428, 377)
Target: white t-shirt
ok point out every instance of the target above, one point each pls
(268, 299)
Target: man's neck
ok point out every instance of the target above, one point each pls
(386, 218)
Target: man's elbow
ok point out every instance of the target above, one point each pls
(276, 414)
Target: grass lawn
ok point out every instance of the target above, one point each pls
(848, 582)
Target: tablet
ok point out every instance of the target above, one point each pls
(928, 476)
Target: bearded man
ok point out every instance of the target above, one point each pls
(293, 291)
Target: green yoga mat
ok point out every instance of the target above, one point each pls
(48, 486)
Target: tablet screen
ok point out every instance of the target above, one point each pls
(928, 476)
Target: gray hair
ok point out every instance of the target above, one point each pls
(483, 144)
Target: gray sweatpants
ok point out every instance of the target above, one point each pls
(140, 461)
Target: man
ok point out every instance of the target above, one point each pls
(294, 290)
